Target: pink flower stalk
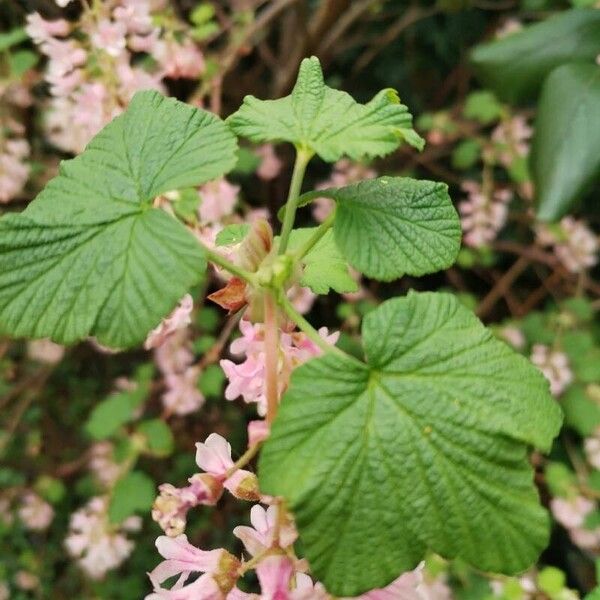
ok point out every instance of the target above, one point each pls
(40, 30)
(555, 367)
(134, 16)
(172, 504)
(180, 318)
(274, 575)
(102, 464)
(247, 378)
(482, 217)
(261, 535)
(571, 512)
(180, 60)
(219, 570)
(270, 164)
(14, 170)
(182, 396)
(109, 36)
(35, 513)
(514, 336)
(219, 198)
(214, 457)
(575, 245)
(258, 431)
(97, 544)
(512, 137)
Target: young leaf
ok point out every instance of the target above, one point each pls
(324, 268)
(232, 234)
(327, 122)
(133, 493)
(90, 256)
(391, 226)
(566, 147)
(515, 66)
(424, 447)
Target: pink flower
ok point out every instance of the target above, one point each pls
(14, 170)
(575, 245)
(258, 431)
(180, 60)
(307, 589)
(270, 165)
(64, 56)
(219, 198)
(172, 504)
(274, 574)
(183, 559)
(135, 16)
(182, 396)
(109, 36)
(214, 455)
(591, 446)
(571, 513)
(35, 512)
(178, 319)
(482, 216)
(261, 535)
(40, 30)
(555, 367)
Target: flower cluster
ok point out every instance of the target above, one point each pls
(96, 543)
(246, 379)
(483, 214)
(95, 65)
(573, 242)
(555, 367)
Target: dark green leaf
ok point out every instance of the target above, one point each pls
(515, 67)
(425, 447)
(133, 493)
(566, 145)
(91, 256)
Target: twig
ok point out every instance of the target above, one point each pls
(501, 286)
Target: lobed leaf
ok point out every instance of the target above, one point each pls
(327, 122)
(422, 448)
(90, 256)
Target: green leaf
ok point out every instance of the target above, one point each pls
(324, 267)
(12, 38)
(515, 67)
(158, 436)
(466, 154)
(582, 413)
(211, 381)
(328, 122)
(133, 493)
(566, 145)
(186, 205)
(425, 447)
(90, 256)
(482, 106)
(21, 61)
(391, 226)
(232, 234)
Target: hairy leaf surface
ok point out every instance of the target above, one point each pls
(90, 255)
(422, 448)
(326, 121)
(391, 226)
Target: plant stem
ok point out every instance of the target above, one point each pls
(243, 460)
(303, 156)
(216, 258)
(306, 327)
(271, 356)
(314, 239)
